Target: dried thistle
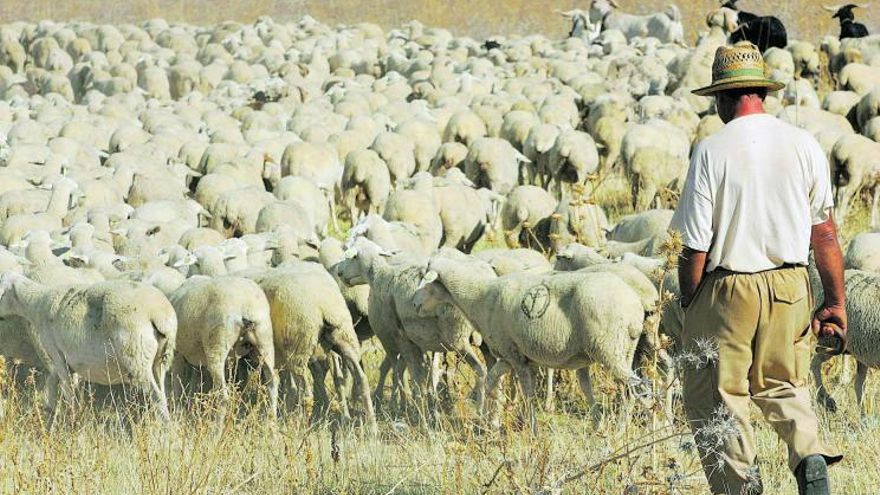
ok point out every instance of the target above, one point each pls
(703, 355)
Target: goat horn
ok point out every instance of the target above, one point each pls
(832, 8)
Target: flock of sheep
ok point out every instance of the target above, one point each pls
(168, 194)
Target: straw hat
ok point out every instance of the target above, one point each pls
(739, 66)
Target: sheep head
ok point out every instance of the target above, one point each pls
(430, 294)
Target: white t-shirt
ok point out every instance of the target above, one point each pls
(753, 192)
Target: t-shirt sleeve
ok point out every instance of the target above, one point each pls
(694, 214)
(821, 194)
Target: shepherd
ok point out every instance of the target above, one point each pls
(757, 198)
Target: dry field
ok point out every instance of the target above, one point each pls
(628, 449)
(804, 18)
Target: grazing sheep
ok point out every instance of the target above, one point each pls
(108, 333)
(366, 183)
(572, 313)
(222, 319)
(576, 256)
(493, 163)
(525, 208)
(665, 26)
(862, 293)
(572, 160)
(655, 157)
(863, 253)
(465, 213)
(853, 169)
(507, 261)
(308, 312)
(449, 155)
(575, 221)
(398, 153)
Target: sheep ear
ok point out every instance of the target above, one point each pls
(312, 243)
(430, 277)
(350, 253)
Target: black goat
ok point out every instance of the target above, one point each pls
(763, 31)
(491, 44)
(849, 28)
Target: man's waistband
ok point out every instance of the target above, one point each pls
(784, 266)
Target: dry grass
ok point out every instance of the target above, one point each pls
(805, 19)
(630, 449)
(107, 449)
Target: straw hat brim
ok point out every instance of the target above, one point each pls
(738, 83)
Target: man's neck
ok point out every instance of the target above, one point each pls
(749, 107)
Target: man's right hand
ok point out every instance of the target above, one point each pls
(826, 318)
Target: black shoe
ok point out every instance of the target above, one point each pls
(812, 476)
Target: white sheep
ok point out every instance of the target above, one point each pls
(108, 333)
(222, 319)
(573, 159)
(366, 183)
(854, 168)
(863, 252)
(862, 293)
(494, 163)
(525, 207)
(571, 312)
(308, 312)
(655, 157)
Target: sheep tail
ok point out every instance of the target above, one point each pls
(165, 351)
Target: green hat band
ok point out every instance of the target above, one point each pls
(740, 73)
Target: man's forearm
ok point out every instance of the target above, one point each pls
(691, 267)
(829, 262)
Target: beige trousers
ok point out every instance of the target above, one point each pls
(747, 338)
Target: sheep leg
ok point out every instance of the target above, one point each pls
(875, 213)
(470, 356)
(400, 387)
(287, 389)
(352, 358)
(419, 376)
(333, 221)
(822, 395)
(319, 369)
(59, 380)
(845, 370)
(586, 384)
(861, 376)
(179, 370)
(50, 406)
(548, 401)
(494, 380)
(384, 368)
(155, 394)
(337, 369)
(526, 375)
(217, 371)
(269, 376)
(436, 372)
